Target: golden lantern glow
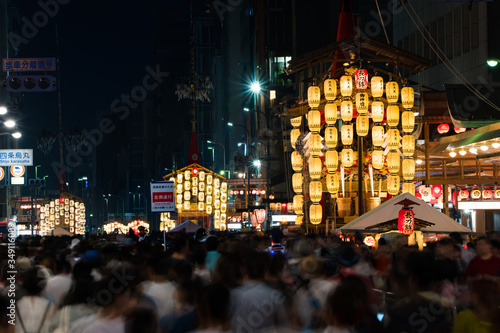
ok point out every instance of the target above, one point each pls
(408, 187)
(331, 160)
(393, 162)
(209, 209)
(347, 157)
(378, 135)
(330, 89)
(393, 115)
(346, 110)
(362, 125)
(393, 184)
(209, 200)
(297, 180)
(298, 202)
(201, 186)
(408, 121)
(297, 162)
(377, 86)
(393, 138)
(407, 97)
(314, 120)
(209, 179)
(217, 204)
(187, 174)
(408, 169)
(346, 85)
(392, 92)
(378, 112)
(201, 206)
(408, 143)
(315, 191)
(187, 185)
(194, 191)
(315, 144)
(331, 137)
(201, 196)
(347, 134)
(331, 113)
(362, 102)
(187, 205)
(298, 220)
(223, 197)
(315, 214)
(187, 195)
(378, 159)
(313, 96)
(296, 121)
(315, 168)
(332, 183)
(294, 135)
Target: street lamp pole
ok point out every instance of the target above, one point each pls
(223, 152)
(123, 204)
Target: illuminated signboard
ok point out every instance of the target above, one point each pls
(477, 205)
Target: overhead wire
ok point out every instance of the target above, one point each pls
(382, 23)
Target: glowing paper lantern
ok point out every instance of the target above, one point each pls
(408, 169)
(378, 135)
(464, 194)
(346, 86)
(187, 195)
(315, 214)
(315, 191)
(294, 135)
(459, 130)
(347, 134)
(331, 160)
(313, 96)
(407, 97)
(361, 78)
(408, 143)
(406, 221)
(409, 187)
(346, 111)
(315, 168)
(314, 120)
(392, 92)
(475, 194)
(393, 138)
(331, 137)
(408, 121)
(297, 162)
(487, 194)
(332, 183)
(298, 220)
(377, 86)
(497, 194)
(315, 144)
(298, 202)
(347, 157)
(436, 191)
(296, 121)
(378, 112)
(393, 162)
(331, 113)
(362, 102)
(443, 128)
(330, 89)
(393, 115)
(393, 184)
(378, 159)
(362, 125)
(297, 180)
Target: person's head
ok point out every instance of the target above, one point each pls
(257, 265)
(213, 306)
(228, 271)
(411, 272)
(117, 286)
(348, 256)
(485, 294)
(142, 230)
(483, 246)
(212, 243)
(444, 248)
(456, 237)
(141, 319)
(33, 281)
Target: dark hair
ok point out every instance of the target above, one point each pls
(33, 283)
(141, 319)
(228, 271)
(347, 305)
(483, 238)
(257, 265)
(214, 304)
(211, 243)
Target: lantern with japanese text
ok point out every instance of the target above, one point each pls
(332, 183)
(408, 144)
(378, 136)
(296, 121)
(362, 102)
(314, 120)
(406, 221)
(297, 180)
(298, 202)
(297, 162)
(393, 184)
(315, 214)
(407, 97)
(331, 114)
(346, 134)
(313, 96)
(347, 157)
(393, 138)
(346, 110)
(331, 136)
(362, 125)
(330, 89)
(346, 86)
(392, 92)
(361, 78)
(378, 112)
(315, 191)
(315, 168)
(315, 144)
(377, 86)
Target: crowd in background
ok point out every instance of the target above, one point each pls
(245, 283)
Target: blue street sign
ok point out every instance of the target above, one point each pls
(29, 64)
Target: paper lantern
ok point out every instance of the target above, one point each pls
(392, 92)
(347, 157)
(297, 180)
(443, 128)
(298, 202)
(346, 86)
(314, 120)
(331, 137)
(294, 135)
(315, 168)
(361, 79)
(408, 169)
(331, 160)
(315, 191)
(201, 196)
(487, 194)
(464, 194)
(332, 183)
(331, 113)
(187, 195)
(330, 89)
(313, 96)
(407, 97)
(409, 187)
(378, 112)
(209, 209)
(315, 144)
(408, 144)
(298, 220)
(497, 194)
(436, 191)
(201, 206)
(297, 162)
(187, 205)
(406, 221)
(362, 102)
(393, 138)
(459, 130)
(426, 193)
(377, 86)
(378, 135)
(362, 125)
(393, 162)
(475, 194)
(346, 111)
(393, 115)
(393, 184)
(346, 134)
(296, 122)
(378, 159)
(315, 214)
(187, 185)
(408, 121)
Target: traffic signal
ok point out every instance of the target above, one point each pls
(31, 83)
(35, 182)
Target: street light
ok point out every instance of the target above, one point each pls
(9, 123)
(223, 152)
(123, 203)
(241, 144)
(3, 110)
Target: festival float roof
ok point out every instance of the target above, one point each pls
(385, 218)
(187, 226)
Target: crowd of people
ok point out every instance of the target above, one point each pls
(225, 282)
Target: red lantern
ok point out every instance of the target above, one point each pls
(459, 130)
(433, 201)
(454, 198)
(195, 172)
(443, 128)
(464, 194)
(283, 207)
(436, 191)
(406, 221)
(61, 199)
(361, 78)
(261, 215)
(487, 194)
(418, 195)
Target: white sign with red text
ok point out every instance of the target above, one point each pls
(162, 197)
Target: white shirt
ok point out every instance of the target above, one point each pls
(162, 294)
(32, 310)
(96, 324)
(57, 287)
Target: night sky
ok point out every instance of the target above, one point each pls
(104, 47)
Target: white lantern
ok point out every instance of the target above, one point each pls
(331, 160)
(377, 86)
(330, 89)
(331, 114)
(201, 196)
(315, 191)
(362, 125)
(393, 184)
(298, 203)
(297, 161)
(392, 92)
(332, 183)
(408, 121)
(408, 169)
(187, 174)
(378, 135)
(346, 110)
(347, 157)
(313, 96)
(347, 134)
(331, 137)
(408, 144)
(393, 162)
(315, 214)
(294, 135)
(315, 168)
(408, 187)
(314, 120)
(297, 180)
(407, 97)
(187, 195)
(346, 85)
(378, 159)
(315, 144)
(378, 112)
(296, 121)
(393, 138)
(362, 102)
(393, 115)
